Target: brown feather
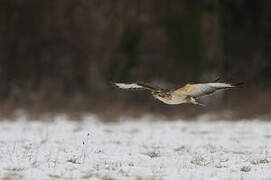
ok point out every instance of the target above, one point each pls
(187, 89)
(149, 86)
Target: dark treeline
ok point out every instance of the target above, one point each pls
(58, 56)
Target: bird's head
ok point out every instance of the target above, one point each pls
(155, 93)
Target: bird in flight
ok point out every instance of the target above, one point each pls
(186, 94)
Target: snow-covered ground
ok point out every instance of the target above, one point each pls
(148, 148)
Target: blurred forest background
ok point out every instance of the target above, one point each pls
(59, 56)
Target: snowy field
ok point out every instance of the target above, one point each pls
(148, 148)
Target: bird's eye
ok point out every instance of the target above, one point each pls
(154, 92)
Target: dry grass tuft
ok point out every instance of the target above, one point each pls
(259, 161)
(199, 160)
(245, 169)
(152, 154)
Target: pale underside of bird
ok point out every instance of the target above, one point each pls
(186, 94)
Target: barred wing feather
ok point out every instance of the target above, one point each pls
(138, 85)
(198, 90)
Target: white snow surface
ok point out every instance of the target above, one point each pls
(144, 148)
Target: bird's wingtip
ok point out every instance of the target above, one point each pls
(114, 84)
(217, 79)
(238, 84)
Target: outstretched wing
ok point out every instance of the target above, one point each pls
(198, 90)
(138, 85)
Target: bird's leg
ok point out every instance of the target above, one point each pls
(193, 101)
(200, 104)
